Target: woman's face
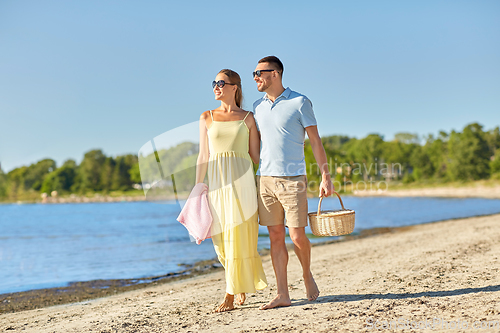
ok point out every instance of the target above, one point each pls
(227, 91)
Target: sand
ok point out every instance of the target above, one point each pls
(444, 275)
(477, 191)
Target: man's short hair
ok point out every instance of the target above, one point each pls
(274, 62)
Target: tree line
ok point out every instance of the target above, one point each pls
(96, 172)
(471, 154)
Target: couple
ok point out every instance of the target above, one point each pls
(273, 136)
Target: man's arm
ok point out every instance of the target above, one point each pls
(326, 187)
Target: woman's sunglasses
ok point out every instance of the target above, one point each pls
(259, 72)
(220, 84)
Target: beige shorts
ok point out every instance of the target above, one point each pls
(282, 195)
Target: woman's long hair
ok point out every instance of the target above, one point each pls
(235, 79)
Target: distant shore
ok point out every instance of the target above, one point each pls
(478, 189)
(96, 198)
(76, 198)
(468, 191)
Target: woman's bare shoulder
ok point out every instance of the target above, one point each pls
(248, 114)
(205, 115)
(249, 119)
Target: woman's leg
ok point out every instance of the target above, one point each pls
(240, 299)
(227, 304)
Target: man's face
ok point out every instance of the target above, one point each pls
(266, 78)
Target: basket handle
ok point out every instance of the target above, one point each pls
(321, 199)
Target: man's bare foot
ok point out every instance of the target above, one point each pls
(227, 304)
(240, 299)
(279, 300)
(312, 290)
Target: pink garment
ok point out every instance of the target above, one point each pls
(195, 215)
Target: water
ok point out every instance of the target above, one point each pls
(45, 246)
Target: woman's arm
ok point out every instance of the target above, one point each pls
(254, 144)
(204, 153)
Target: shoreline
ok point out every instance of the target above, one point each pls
(78, 199)
(479, 189)
(88, 290)
(92, 289)
(446, 270)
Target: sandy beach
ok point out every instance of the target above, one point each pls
(470, 191)
(444, 275)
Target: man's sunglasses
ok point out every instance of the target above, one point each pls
(259, 72)
(220, 84)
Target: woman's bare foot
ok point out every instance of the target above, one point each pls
(240, 299)
(227, 304)
(279, 300)
(312, 290)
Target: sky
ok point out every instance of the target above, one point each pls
(112, 75)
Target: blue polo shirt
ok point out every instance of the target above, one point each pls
(282, 129)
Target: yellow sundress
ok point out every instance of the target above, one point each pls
(233, 203)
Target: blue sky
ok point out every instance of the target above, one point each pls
(76, 76)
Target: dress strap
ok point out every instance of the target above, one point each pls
(246, 115)
(211, 115)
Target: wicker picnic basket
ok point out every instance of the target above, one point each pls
(332, 222)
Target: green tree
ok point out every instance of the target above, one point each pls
(61, 180)
(135, 174)
(16, 182)
(349, 156)
(172, 161)
(469, 154)
(106, 176)
(369, 153)
(437, 151)
(395, 158)
(495, 166)
(492, 137)
(185, 173)
(421, 163)
(407, 138)
(121, 179)
(33, 179)
(172, 157)
(89, 171)
(334, 142)
(3, 184)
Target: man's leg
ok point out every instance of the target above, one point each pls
(279, 256)
(302, 248)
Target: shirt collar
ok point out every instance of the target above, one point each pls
(285, 94)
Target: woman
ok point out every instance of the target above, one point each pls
(229, 141)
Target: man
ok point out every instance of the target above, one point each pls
(283, 116)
